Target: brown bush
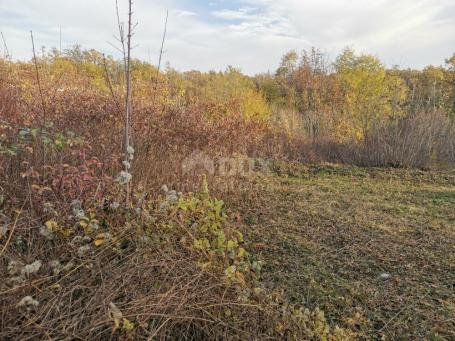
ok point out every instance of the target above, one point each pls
(148, 279)
(418, 141)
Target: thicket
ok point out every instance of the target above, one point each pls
(77, 263)
(355, 110)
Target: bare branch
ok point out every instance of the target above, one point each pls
(7, 55)
(115, 47)
(162, 42)
(60, 37)
(109, 83)
(121, 38)
(43, 103)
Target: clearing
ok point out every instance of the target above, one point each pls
(373, 248)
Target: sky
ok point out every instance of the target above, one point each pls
(250, 35)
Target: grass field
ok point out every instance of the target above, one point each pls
(373, 248)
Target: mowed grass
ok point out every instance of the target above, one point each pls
(328, 233)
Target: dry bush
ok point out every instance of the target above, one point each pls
(169, 269)
(414, 141)
(161, 291)
(142, 272)
(417, 141)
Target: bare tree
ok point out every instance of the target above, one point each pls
(40, 89)
(5, 46)
(162, 42)
(125, 42)
(129, 151)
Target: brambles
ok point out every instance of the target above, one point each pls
(201, 224)
(53, 141)
(149, 270)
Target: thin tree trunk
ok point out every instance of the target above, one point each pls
(128, 103)
(43, 103)
(162, 42)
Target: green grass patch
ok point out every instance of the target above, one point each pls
(330, 232)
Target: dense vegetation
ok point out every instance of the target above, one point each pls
(174, 261)
(364, 113)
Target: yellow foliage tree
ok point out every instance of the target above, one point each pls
(369, 94)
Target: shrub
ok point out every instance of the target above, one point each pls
(169, 268)
(418, 141)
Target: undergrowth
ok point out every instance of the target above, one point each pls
(81, 261)
(174, 267)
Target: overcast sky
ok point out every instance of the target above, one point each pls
(251, 35)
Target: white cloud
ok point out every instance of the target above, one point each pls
(179, 13)
(232, 15)
(409, 32)
(251, 35)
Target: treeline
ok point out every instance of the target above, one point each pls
(380, 116)
(355, 91)
(352, 109)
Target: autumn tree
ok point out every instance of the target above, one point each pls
(226, 91)
(450, 62)
(289, 63)
(368, 93)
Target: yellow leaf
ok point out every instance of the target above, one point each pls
(231, 244)
(66, 232)
(240, 278)
(241, 253)
(51, 224)
(100, 239)
(127, 325)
